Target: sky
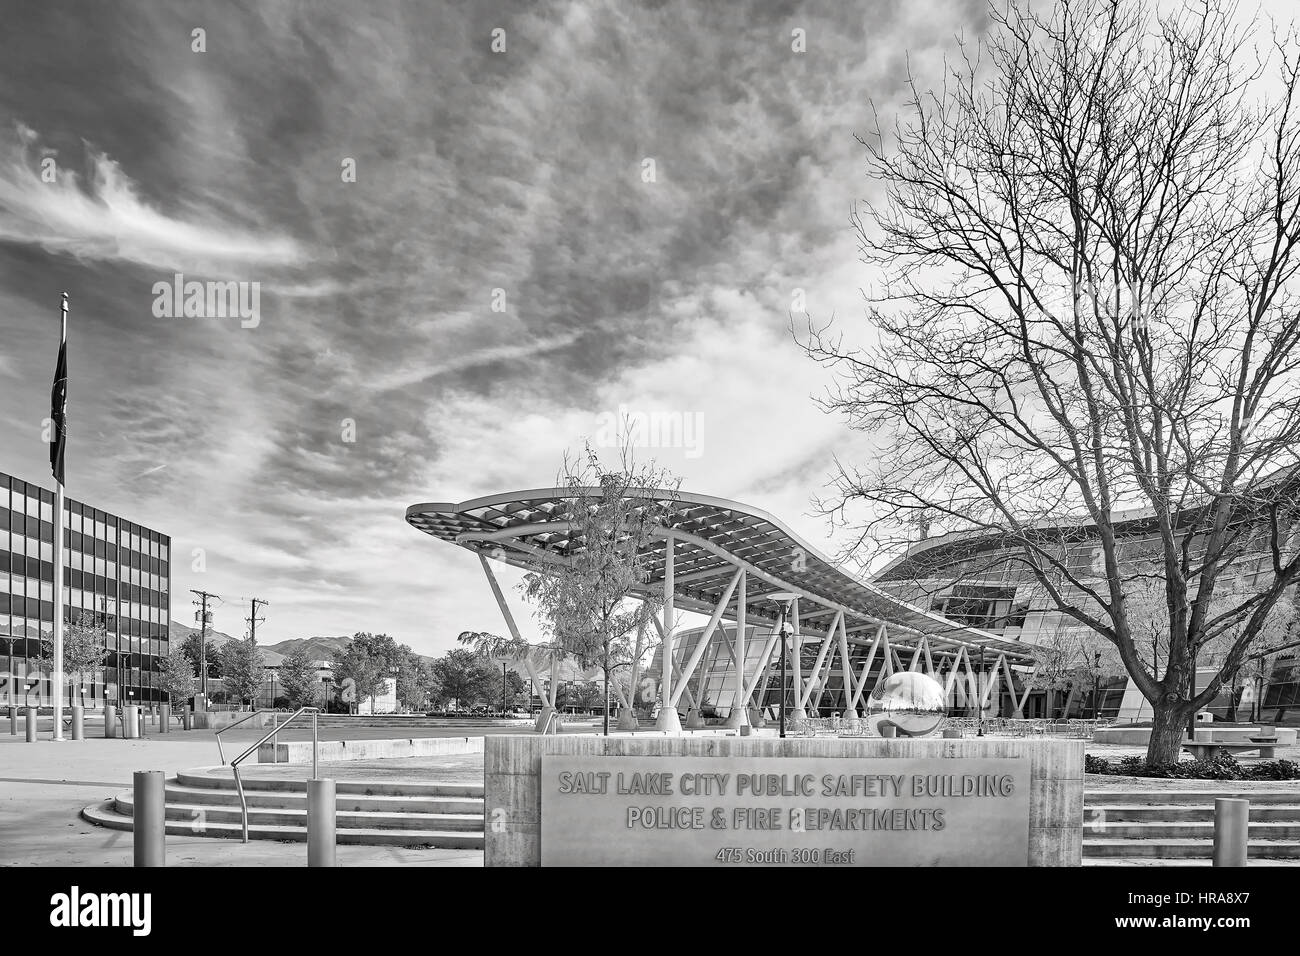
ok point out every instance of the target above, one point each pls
(477, 233)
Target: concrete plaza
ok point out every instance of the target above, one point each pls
(45, 785)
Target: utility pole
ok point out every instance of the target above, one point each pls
(252, 633)
(253, 619)
(203, 640)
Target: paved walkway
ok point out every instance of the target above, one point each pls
(45, 785)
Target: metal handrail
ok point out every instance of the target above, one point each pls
(232, 726)
(234, 764)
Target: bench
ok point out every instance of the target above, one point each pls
(1201, 749)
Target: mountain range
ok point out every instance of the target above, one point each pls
(318, 648)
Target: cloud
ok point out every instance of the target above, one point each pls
(476, 172)
(103, 217)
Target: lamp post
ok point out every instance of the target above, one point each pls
(1096, 684)
(979, 695)
(783, 599)
(503, 692)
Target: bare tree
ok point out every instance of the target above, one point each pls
(1087, 258)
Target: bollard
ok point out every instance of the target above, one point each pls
(31, 725)
(889, 730)
(188, 719)
(143, 717)
(320, 823)
(110, 721)
(165, 714)
(1231, 830)
(131, 721)
(13, 719)
(78, 722)
(149, 818)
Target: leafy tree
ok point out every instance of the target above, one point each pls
(1086, 246)
(85, 645)
(242, 668)
(466, 677)
(368, 662)
(193, 647)
(298, 678)
(589, 606)
(417, 685)
(176, 675)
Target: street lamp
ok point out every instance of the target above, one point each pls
(783, 599)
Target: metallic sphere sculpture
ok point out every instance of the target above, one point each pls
(911, 701)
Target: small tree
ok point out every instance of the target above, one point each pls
(367, 663)
(588, 605)
(193, 647)
(242, 668)
(465, 677)
(298, 678)
(85, 644)
(416, 682)
(176, 675)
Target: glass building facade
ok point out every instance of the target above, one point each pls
(116, 574)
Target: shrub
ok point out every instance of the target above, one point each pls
(1222, 767)
(1276, 770)
(1093, 764)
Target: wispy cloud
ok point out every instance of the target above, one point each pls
(44, 201)
(618, 211)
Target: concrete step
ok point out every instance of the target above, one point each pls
(286, 816)
(1183, 849)
(1182, 813)
(106, 815)
(1182, 797)
(215, 796)
(1162, 830)
(224, 780)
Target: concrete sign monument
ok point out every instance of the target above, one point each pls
(719, 811)
(755, 801)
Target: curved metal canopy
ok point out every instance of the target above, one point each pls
(714, 537)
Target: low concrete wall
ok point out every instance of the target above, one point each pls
(1141, 736)
(512, 770)
(299, 751)
(216, 719)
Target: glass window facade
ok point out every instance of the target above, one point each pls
(115, 572)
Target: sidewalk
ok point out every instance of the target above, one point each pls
(45, 785)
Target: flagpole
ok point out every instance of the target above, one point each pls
(58, 567)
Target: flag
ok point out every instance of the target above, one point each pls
(59, 404)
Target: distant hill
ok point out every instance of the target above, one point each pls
(178, 632)
(318, 648)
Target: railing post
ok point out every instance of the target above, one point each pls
(1231, 831)
(149, 818)
(321, 804)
